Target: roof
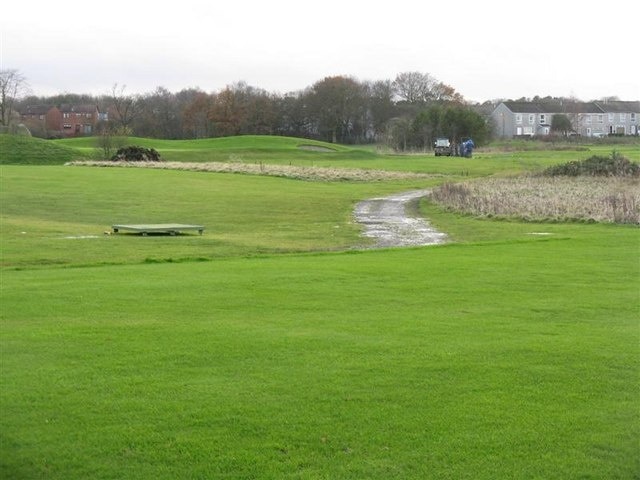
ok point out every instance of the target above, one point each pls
(619, 106)
(84, 108)
(35, 110)
(555, 107)
(573, 107)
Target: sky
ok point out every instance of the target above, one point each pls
(485, 50)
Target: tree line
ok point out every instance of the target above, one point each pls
(407, 113)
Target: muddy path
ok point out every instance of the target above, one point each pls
(389, 220)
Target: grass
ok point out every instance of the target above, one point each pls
(498, 360)
(267, 349)
(55, 215)
(17, 149)
(251, 149)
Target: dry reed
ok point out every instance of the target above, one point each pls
(597, 199)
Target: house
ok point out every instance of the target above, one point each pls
(63, 120)
(621, 118)
(78, 120)
(41, 119)
(588, 119)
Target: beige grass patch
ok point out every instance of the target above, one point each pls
(286, 171)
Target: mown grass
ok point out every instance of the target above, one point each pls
(512, 353)
(58, 215)
(499, 360)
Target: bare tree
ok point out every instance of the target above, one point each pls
(126, 107)
(13, 85)
(415, 87)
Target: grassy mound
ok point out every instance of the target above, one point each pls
(242, 148)
(17, 149)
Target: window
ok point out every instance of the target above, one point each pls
(66, 125)
(623, 117)
(66, 115)
(543, 118)
(532, 119)
(611, 118)
(588, 119)
(633, 116)
(600, 118)
(518, 118)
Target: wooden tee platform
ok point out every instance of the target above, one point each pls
(170, 228)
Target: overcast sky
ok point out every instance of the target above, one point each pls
(484, 49)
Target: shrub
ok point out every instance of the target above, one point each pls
(136, 154)
(614, 166)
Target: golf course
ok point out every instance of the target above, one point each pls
(279, 345)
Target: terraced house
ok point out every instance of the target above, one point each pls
(588, 119)
(62, 120)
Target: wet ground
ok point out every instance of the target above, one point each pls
(389, 220)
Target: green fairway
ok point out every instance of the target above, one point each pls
(503, 360)
(58, 215)
(272, 347)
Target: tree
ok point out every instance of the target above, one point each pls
(158, 115)
(415, 87)
(380, 104)
(560, 123)
(397, 134)
(336, 104)
(227, 113)
(445, 93)
(452, 121)
(13, 85)
(125, 108)
(291, 115)
(196, 122)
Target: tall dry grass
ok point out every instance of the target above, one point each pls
(599, 199)
(286, 171)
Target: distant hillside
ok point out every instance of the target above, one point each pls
(18, 149)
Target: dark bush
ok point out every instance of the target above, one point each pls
(136, 154)
(614, 166)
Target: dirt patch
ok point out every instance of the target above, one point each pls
(387, 220)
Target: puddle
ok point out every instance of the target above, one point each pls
(386, 220)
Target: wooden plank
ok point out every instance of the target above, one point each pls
(145, 228)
